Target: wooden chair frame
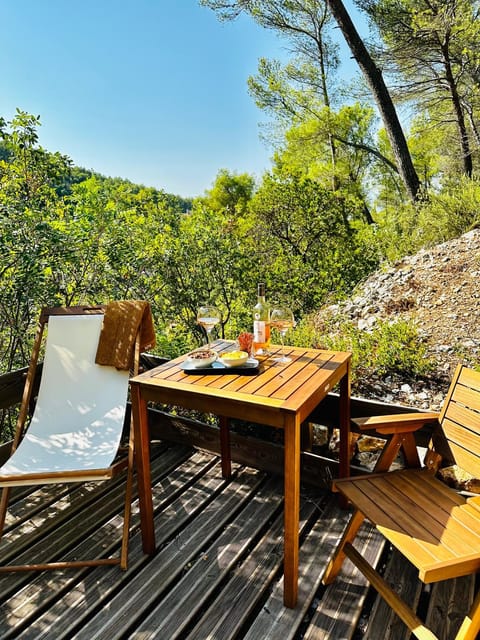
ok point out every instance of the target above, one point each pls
(125, 462)
(432, 525)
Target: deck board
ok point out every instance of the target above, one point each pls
(343, 600)
(401, 575)
(105, 584)
(275, 620)
(449, 604)
(217, 572)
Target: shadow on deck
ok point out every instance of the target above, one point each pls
(217, 573)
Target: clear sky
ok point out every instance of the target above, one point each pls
(154, 91)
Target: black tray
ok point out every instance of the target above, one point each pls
(250, 368)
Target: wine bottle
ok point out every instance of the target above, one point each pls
(261, 323)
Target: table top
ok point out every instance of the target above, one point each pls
(297, 386)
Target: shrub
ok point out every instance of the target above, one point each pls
(387, 348)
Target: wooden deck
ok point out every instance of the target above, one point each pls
(217, 571)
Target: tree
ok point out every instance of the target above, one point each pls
(29, 207)
(230, 193)
(308, 248)
(382, 97)
(358, 158)
(282, 15)
(431, 49)
(209, 259)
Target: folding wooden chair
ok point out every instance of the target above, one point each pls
(75, 432)
(436, 528)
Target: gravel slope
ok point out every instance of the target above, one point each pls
(438, 289)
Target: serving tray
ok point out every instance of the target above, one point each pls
(250, 368)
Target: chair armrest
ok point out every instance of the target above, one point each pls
(396, 423)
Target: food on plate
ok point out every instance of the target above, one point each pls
(234, 358)
(201, 354)
(201, 357)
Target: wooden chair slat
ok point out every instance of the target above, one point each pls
(464, 416)
(432, 486)
(468, 517)
(434, 524)
(461, 436)
(469, 378)
(428, 497)
(466, 460)
(395, 524)
(467, 397)
(474, 502)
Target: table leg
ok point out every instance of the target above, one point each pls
(344, 462)
(292, 510)
(142, 460)
(225, 446)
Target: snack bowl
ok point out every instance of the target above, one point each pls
(233, 358)
(201, 358)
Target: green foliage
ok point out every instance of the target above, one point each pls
(29, 210)
(431, 50)
(74, 237)
(331, 211)
(389, 347)
(305, 334)
(174, 340)
(208, 260)
(309, 245)
(230, 193)
(442, 216)
(96, 239)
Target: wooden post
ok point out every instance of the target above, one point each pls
(344, 400)
(225, 446)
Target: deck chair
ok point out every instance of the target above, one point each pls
(435, 527)
(75, 432)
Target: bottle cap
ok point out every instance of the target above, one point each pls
(261, 289)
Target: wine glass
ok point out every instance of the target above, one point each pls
(281, 318)
(207, 317)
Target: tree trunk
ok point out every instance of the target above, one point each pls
(382, 97)
(457, 107)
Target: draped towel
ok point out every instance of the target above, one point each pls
(121, 322)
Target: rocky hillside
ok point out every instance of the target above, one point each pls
(438, 289)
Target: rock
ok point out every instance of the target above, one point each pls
(370, 444)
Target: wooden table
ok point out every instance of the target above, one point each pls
(281, 395)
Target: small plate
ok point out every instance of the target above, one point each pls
(201, 363)
(226, 358)
(251, 367)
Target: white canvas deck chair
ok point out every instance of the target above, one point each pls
(75, 432)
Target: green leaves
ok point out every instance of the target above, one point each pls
(308, 245)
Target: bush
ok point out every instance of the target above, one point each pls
(388, 348)
(443, 216)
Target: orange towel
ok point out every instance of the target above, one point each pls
(121, 322)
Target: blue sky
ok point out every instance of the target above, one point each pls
(154, 91)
